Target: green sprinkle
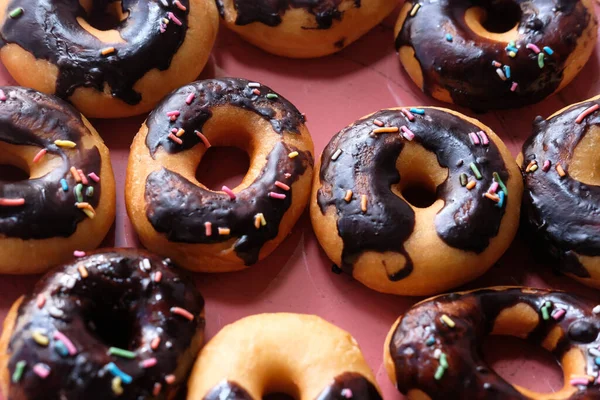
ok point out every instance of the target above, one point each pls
(272, 96)
(463, 179)
(545, 314)
(16, 13)
(19, 368)
(541, 60)
(548, 304)
(89, 192)
(443, 361)
(475, 171)
(78, 195)
(502, 185)
(115, 351)
(439, 372)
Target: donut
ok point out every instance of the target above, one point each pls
(370, 225)
(303, 29)
(494, 54)
(68, 202)
(217, 231)
(561, 204)
(109, 58)
(302, 356)
(434, 351)
(113, 324)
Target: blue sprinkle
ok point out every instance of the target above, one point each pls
(597, 360)
(61, 349)
(507, 71)
(419, 111)
(500, 203)
(430, 341)
(113, 369)
(511, 48)
(512, 43)
(448, 37)
(548, 50)
(65, 186)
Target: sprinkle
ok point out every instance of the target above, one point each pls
(173, 114)
(533, 48)
(594, 352)
(463, 179)
(533, 168)
(94, 177)
(496, 64)
(287, 175)
(89, 192)
(377, 122)
(170, 379)
(493, 187)
(107, 51)
(293, 154)
(471, 185)
(180, 132)
(164, 3)
(115, 351)
(548, 50)
(174, 130)
(444, 361)
(229, 192)
(19, 369)
(474, 138)
(415, 9)
(75, 174)
(61, 349)
(514, 87)
(579, 381)
(11, 202)
(155, 343)
(113, 369)
(336, 155)
(179, 5)
(190, 98)
(506, 69)
(347, 393)
(157, 276)
(484, 138)
(149, 363)
(39, 155)
(391, 129)
(430, 341)
(64, 184)
(558, 314)
(78, 253)
(65, 143)
(448, 321)
(56, 312)
(363, 203)
(175, 139)
(257, 221)
(500, 74)
(78, 195)
(348, 196)
(173, 18)
(475, 170)
(512, 54)
(145, 265)
(2, 95)
(253, 84)
(502, 185)
(407, 133)
(40, 338)
(83, 177)
(541, 60)
(545, 314)
(204, 139)
(492, 197)
(448, 37)
(560, 170)
(156, 389)
(546, 166)
(502, 196)
(116, 386)
(531, 164)
(596, 309)
(437, 353)
(41, 370)
(256, 92)
(586, 113)
(87, 209)
(511, 49)
(419, 111)
(408, 114)
(40, 300)
(16, 13)
(83, 271)
(278, 196)
(208, 228)
(183, 313)
(271, 96)
(263, 221)
(282, 186)
(224, 231)
(439, 373)
(66, 341)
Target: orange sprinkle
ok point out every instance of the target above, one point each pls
(39, 155)
(183, 313)
(224, 231)
(348, 196)
(363, 203)
(377, 122)
(180, 132)
(471, 185)
(175, 138)
(155, 343)
(492, 197)
(257, 221)
(82, 271)
(11, 202)
(157, 276)
(203, 138)
(560, 170)
(107, 51)
(392, 129)
(75, 174)
(170, 379)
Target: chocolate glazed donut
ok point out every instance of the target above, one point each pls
(562, 211)
(116, 324)
(450, 48)
(434, 350)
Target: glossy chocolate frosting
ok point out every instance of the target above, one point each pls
(563, 212)
(474, 314)
(120, 302)
(463, 65)
(270, 12)
(30, 118)
(349, 385)
(367, 166)
(50, 31)
(179, 208)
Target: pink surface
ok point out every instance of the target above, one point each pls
(333, 92)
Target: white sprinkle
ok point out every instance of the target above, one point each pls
(145, 265)
(437, 353)
(336, 155)
(594, 352)
(164, 3)
(501, 74)
(254, 85)
(596, 310)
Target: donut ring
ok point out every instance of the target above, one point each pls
(68, 202)
(51, 46)
(449, 52)
(393, 246)
(303, 29)
(562, 196)
(61, 339)
(434, 350)
(300, 355)
(203, 230)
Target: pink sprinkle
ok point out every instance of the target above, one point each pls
(190, 98)
(282, 185)
(173, 113)
(533, 47)
(579, 381)
(84, 179)
(149, 363)
(174, 130)
(474, 138)
(229, 192)
(256, 92)
(347, 393)
(41, 370)
(546, 166)
(377, 122)
(163, 28)
(408, 114)
(208, 228)
(41, 300)
(204, 139)
(493, 187)
(514, 87)
(2, 95)
(559, 314)
(175, 139)
(79, 253)
(287, 175)
(12, 202)
(496, 64)
(58, 335)
(277, 195)
(170, 379)
(586, 113)
(173, 18)
(94, 177)
(157, 276)
(155, 343)
(157, 388)
(484, 138)
(407, 133)
(179, 5)
(183, 313)
(39, 155)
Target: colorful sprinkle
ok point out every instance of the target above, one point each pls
(484, 138)
(430, 341)
(407, 133)
(83, 271)
(41, 370)
(256, 92)
(89, 192)
(156, 389)
(61, 349)
(474, 138)
(558, 314)
(182, 312)
(363, 203)
(94, 177)
(514, 87)
(179, 5)
(271, 96)
(444, 361)
(391, 129)
(253, 84)
(506, 69)
(259, 220)
(336, 155)
(278, 196)
(40, 300)
(170, 379)
(419, 111)
(495, 198)
(175, 139)
(190, 98)
(66, 341)
(408, 114)
(65, 143)
(229, 192)
(512, 54)
(113, 369)
(107, 51)
(493, 187)
(11, 202)
(414, 10)
(541, 60)
(65, 185)
(448, 321)
(502, 185)
(502, 197)
(173, 114)
(75, 174)
(208, 228)
(377, 122)
(579, 381)
(475, 170)
(471, 185)
(173, 18)
(78, 194)
(533, 48)
(116, 386)
(347, 393)
(16, 13)
(157, 276)
(282, 186)
(448, 37)
(155, 343)
(180, 132)
(463, 179)
(496, 64)
(293, 154)
(511, 49)
(204, 139)
(560, 170)
(534, 168)
(83, 177)
(439, 373)
(548, 50)
(545, 314)
(149, 363)
(39, 155)
(348, 196)
(500, 74)
(2, 95)
(78, 253)
(19, 369)
(587, 112)
(546, 166)
(115, 351)
(224, 231)
(531, 164)
(40, 338)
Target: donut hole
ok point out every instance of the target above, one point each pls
(105, 16)
(278, 396)
(420, 194)
(13, 173)
(497, 21)
(585, 163)
(111, 325)
(214, 173)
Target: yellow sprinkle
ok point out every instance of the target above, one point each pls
(531, 164)
(363, 203)
(180, 132)
(40, 339)
(471, 185)
(560, 170)
(257, 221)
(415, 9)
(82, 271)
(107, 51)
(65, 143)
(116, 386)
(224, 231)
(263, 221)
(534, 168)
(348, 196)
(448, 321)
(293, 154)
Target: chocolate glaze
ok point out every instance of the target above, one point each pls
(30, 118)
(270, 12)
(563, 212)
(473, 82)
(359, 387)
(474, 314)
(367, 165)
(118, 304)
(49, 30)
(179, 208)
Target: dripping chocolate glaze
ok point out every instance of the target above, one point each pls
(563, 212)
(474, 314)
(30, 118)
(367, 165)
(473, 82)
(360, 387)
(270, 12)
(179, 208)
(50, 31)
(134, 310)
